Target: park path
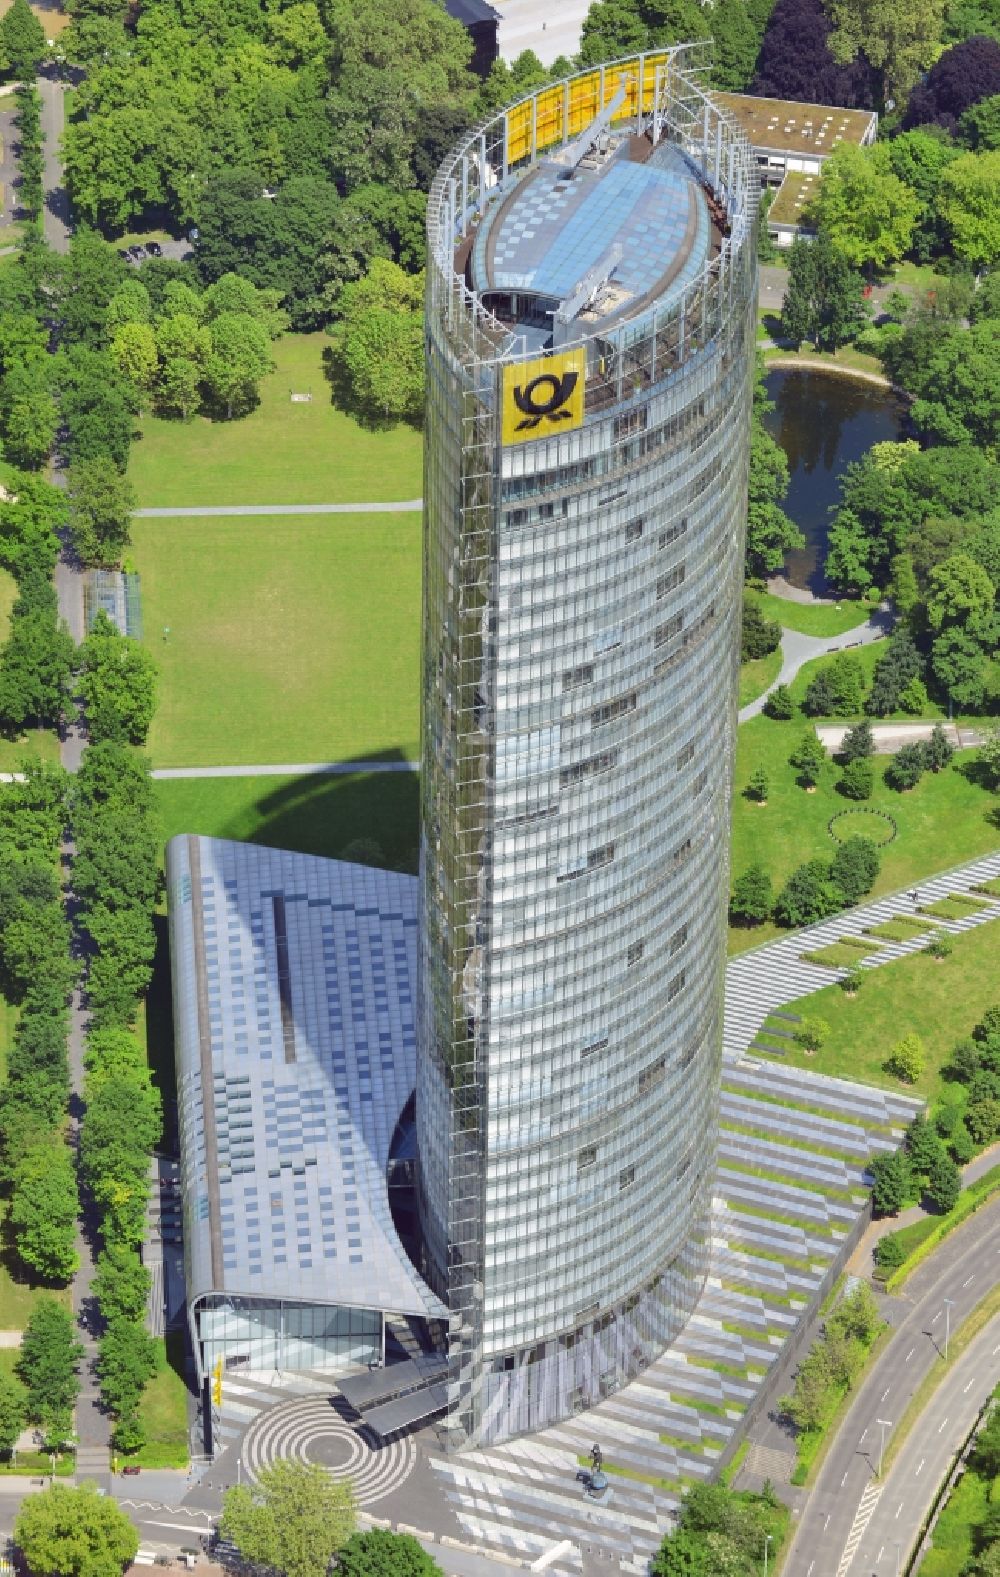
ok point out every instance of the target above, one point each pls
(92, 1424)
(798, 649)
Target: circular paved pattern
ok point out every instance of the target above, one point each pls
(311, 1430)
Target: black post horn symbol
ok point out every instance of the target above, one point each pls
(546, 395)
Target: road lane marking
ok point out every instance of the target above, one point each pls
(879, 1555)
(965, 1283)
(843, 1481)
(885, 1393)
(967, 1388)
(863, 1433)
(937, 1316)
(941, 1425)
(899, 1509)
(920, 1468)
(811, 1565)
(826, 1521)
(909, 1355)
(182, 1527)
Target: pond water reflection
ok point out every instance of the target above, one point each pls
(823, 421)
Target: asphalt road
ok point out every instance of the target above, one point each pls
(847, 1491)
(927, 1456)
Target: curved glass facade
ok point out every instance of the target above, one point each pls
(581, 645)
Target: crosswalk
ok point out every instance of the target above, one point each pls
(767, 977)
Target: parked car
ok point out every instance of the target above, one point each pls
(131, 1471)
(154, 249)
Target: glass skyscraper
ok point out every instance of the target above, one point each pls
(591, 317)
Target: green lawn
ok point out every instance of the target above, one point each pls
(163, 1410)
(758, 675)
(282, 453)
(34, 741)
(944, 821)
(940, 1002)
(315, 815)
(292, 638)
(812, 618)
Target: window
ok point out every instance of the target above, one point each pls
(670, 581)
(685, 755)
(673, 532)
(605, 761)
(613, 709)
(678, 939)
(595, 859)
(650, 1077)
(595, 1045)
(607, 640)
(699, 783)
(635, 953)
(630, 423)
(586, 1158)
(573, 678)
(517, 517)
(546, 511)
(666, 632)
(634, 529)
(626, 1177)
(681, 852)
(689, 1055)
(676, 986)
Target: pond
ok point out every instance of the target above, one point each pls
(823, 421)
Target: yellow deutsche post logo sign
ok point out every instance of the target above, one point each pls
(543, 396)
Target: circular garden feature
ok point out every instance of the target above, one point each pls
(875, 825)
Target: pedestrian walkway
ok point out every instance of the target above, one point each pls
(767, 977)
(798, 649)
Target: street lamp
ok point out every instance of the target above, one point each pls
(884, 1424)
(948, 1306)
(767, 1541)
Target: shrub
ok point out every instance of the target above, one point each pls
(808, 756)
(851, 982)
(940, 946)
(938, 750)
(857, 781)
(752, 898)
(758, 635)
(906, 1060)
(809, 895)
(758, 786)
(855, 867)
(906, 768)
(858, 743)
(811, 1033)
(889, 1252)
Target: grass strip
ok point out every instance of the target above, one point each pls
(785, 1218)
(901, 929)
(791, 1180)
(842, 954)
(953, 908)
(831, 1113)
(752, 1131)
(969, 1201)
(981, 1315)
(991, 887)
(812, 1445)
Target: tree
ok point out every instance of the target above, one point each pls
(681, 1554)
(898, 666)
(957, 80)
(133, 350)
(865, 211)
(808, 1403)
(758, 635)
(988, 756)
(891, 1183)
(22, 40)
(858, 743)
(101, 504)
(837, 688)
(923, 1145)
(906, 1060)
(75, 1532)
(889, 1252)
(808, 756)
(902, 42)
(979, 127)
(906, 768)
(780, 704)
(28, 413)
(944, 1184)
(121, 1283)
(770, 533)
(377, 354)
(857, 779)
(758, 786)
(752, 898)
(969, 199)
(36, 659)
(239, 357)
(43, 1210)
(382, 1553)
(795, 61)
(855, 868)
(938, 750)
(918, 158)
(118, 684)
(13, 1412)
(811, 1033)
(961, 593)
(852, 980)
(823, 301)
(126, 1363)
(913, 697)
(958, 663)
(295, 1519)
(809, 895)
(47, 1367)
